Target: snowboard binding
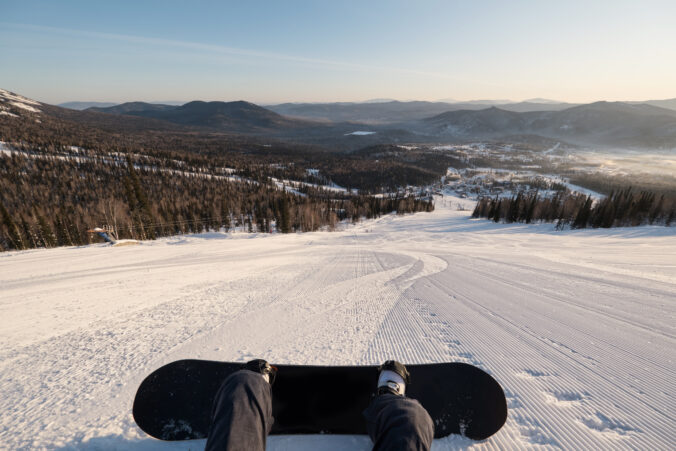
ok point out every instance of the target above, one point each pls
(261, 366)
(393, 377)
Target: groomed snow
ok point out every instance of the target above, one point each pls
(578, 326)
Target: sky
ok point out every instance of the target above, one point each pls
(324, 51)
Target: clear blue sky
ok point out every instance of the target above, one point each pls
(340, 50)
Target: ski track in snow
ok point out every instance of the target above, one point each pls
(578, 326)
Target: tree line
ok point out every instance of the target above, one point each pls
(52, 200)
(619, 209)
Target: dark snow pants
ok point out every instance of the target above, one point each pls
(242, 417)
(398, 423)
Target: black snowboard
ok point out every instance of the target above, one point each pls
(174, 402)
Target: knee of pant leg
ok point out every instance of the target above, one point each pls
(244, 385)
(416, 420)
(248, 377)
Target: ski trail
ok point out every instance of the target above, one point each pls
(116, 361)
(578, 327)
(440, 318)
(613, 414)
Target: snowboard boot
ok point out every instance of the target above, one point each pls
(393, 378)
(263, 367)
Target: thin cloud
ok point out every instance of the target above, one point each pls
(225, 50)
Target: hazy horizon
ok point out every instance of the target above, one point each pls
(304, 51)
(450, 101)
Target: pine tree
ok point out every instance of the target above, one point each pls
(582, 217)
(31, 238)
(530, 210)
(498, 208)
(657, 210)
(284, 217)
(46, 234)
(141, 204)
(12, 230)
(62, 236)
(225, 215)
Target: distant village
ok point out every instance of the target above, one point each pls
(487, 182)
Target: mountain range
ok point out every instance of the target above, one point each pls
(382, 111)
(599, 123)
(239, 116)
(395, 111)
(349, 126)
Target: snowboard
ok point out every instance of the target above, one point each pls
(174, 402)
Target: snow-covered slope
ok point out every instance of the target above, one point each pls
(578, 326)
(13, 104)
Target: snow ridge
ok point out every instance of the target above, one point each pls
(9, 99)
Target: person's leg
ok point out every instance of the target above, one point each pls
(395, 422)
(242, 413)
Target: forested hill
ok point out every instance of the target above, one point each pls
(239, 116)
(63, 172)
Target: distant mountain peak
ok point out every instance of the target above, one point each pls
(234, 116)
(488, 102)
(541, 100)
(379, 100)
(83, 105)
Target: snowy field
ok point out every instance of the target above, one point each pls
(578, 326)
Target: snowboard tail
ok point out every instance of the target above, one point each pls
(174, 402)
